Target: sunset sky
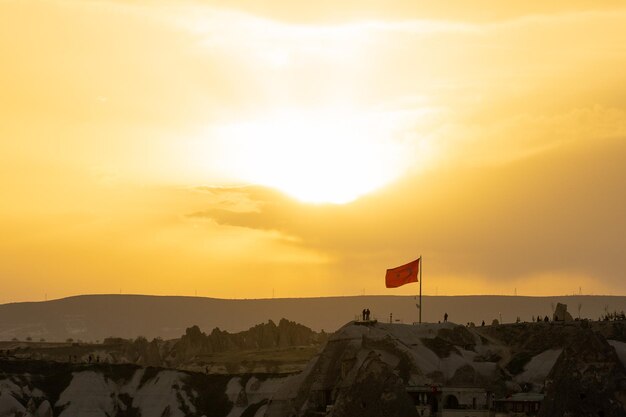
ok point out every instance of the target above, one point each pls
(245, 149)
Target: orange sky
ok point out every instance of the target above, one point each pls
(251, 148)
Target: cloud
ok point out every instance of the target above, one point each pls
(558, 212)
(484, 11)
(262, 208)
(519, 107)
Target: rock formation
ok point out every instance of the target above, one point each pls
(363, 370)
(375, 391)
(588, 379)
(561, 313)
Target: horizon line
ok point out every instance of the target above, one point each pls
(295, 297)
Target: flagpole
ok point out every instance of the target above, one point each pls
(421, 305)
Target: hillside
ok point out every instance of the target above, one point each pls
(95, 317)
(372, 369)
(573, 369)
(44, 389)
(266, 347)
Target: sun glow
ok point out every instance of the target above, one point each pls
(329, 156)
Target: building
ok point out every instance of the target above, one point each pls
(438, 401)
(520, 404)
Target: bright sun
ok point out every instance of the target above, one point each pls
(317, 157)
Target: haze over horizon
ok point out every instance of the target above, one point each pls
(275, 149)
(330, 296)
(94, 317)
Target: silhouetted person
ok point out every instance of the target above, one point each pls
(363, 313)
(538, 319)
(546, 319)
(482, 324)
(367, 314)
(445, 317)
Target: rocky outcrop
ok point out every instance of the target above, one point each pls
(219, 350)
(375, 391)
(365, 370)
(561, 313)
(262, 336)
(587, 380)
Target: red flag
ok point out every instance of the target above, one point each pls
(401, 275)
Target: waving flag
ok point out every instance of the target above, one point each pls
(401, 275)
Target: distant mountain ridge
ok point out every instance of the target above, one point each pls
(95, 317)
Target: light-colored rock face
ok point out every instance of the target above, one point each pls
(159, 394)
(94, 391)
(252, 395)
(620, 349)
(44, 409)
(537, 369)
(9, 405)
(89, 394)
